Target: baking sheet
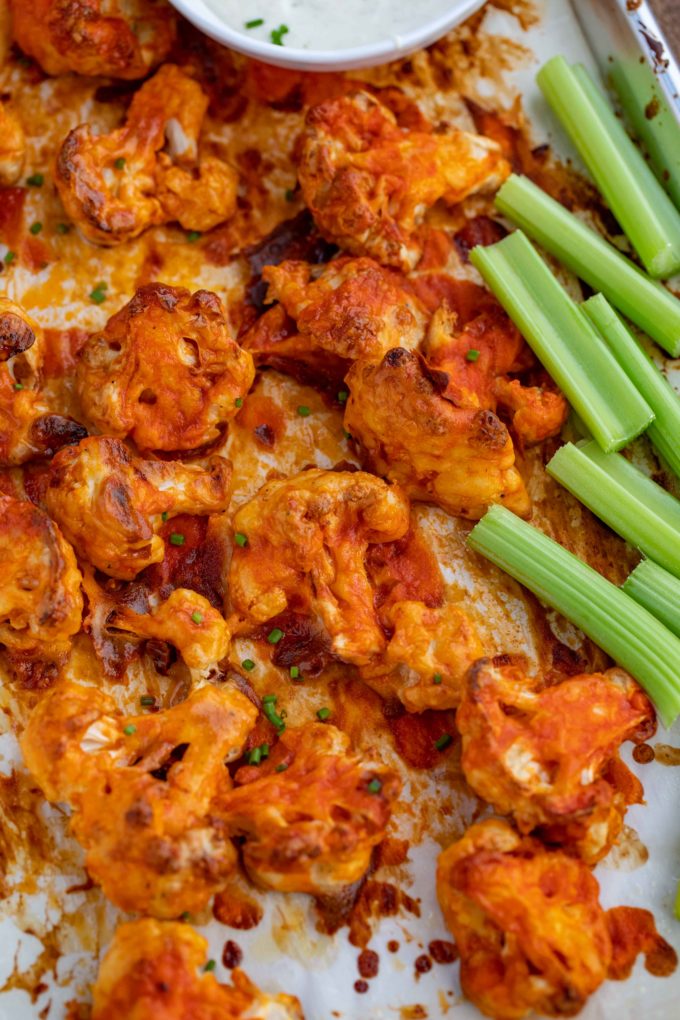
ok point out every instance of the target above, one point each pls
(286, 951)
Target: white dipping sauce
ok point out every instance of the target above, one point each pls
(328, 24)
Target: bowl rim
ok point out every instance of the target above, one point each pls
(383, 51)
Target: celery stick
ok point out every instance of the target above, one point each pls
(630, 634)
(644, 301)
(656, 590)
(623, 497)
(648, 217)
(664, 432)
(645, 106)
(565, 341)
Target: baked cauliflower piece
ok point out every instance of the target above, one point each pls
(114, 38)
(185, 620)
(460, 458)
(543, 756)
(311, 827)
(527, 923)
(155, 970)
(149, 171)
(111, 504)
(144, 790)
(12, 146)
(369, 182)
(306, 543)
(29, 428)
(427, 656)
(478, 360)
(41, 603)
(164, 371)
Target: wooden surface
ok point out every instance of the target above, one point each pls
(668, 13)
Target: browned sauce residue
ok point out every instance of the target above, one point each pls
(236, 910)
(368, 963)
(667, 755)
(442, 952)
(232, 955)
(423, 964)
(643, 754)
(633, 931)
(377, 900)
(393, 946)
(361, 987)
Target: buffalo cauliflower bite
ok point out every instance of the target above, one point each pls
(111, 505)
(460, 458)
(28, 427)
(150, 170)
(427, 657)
(186, 620)
(155, 970)
(543, 755)
(369, 182)
(41, 603)
(478, 360)
(312, 826)
(115, 38)
(165, 370)
(144, 790)
(12, 146)
(527, 923)
(307, 539)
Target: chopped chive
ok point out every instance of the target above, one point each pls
(282, 767)
(255, 23)
(658, 591)
(129, 729)
(641, 370)
(342, 396)
(304, 411)
(18, 386)
(274, 636)
(210, 965)
(176, 538)
(277, 34)
(294, 672)
(375, 786)
(35, 228)
(119, 163)
(255, 756)
(323, 714)
(35, 180)
(248, 664)
(644, 301)
(238, 402)
(197, 617)
(264, 750)
(437, 678)
(564, 340)
(441, 743)
(649, 219)
(346, 434)
(472, 355)
(164, 516)
(62, 228)
(10, 257)
(241, 539)
(269, 709)
(147, 699)
(184, 916)
(290, 194)
(630, 634)
(269, 697)
(193, 236)
(623, 497)
(98, 295)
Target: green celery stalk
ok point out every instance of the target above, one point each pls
(645, 106)
(644, 301)
(565, 341)
(648, 217)
(658, 591)
(664, 432)
(630, 634)
(623, 497)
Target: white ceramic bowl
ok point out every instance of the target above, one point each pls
(389, 48)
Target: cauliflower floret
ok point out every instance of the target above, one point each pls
(186, 620)
(12, 146)
(111, 505)
(41, 603)
(463, 459)
(155, 970)
(165, 370)
(144, 790)
(312, 826)
(527, 923)
(28, 428)
(116, 38)
(307, 539)
(543, 755)
(149, 171)
(369, 182)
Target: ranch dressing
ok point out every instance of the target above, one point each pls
(327, 24)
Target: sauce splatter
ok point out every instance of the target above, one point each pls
(633, 931)
(368, 963)
(232, 955)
